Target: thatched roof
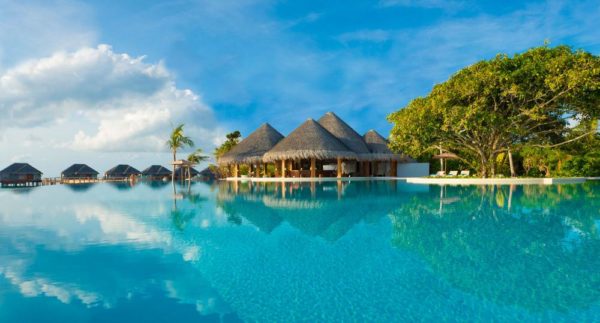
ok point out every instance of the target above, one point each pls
(20, 169)
(252, 148)
(76, 170)
(156, 170)
(122, 171)
(379, 147)
(348, 136)
(446, 156)
(310, 140)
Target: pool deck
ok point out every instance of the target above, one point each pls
(428, 180)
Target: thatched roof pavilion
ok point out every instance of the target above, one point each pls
(79, 171)
(252, 148)
(310, 140)
(379, 147)
(121, 171)
(156, 171)
(344, 133)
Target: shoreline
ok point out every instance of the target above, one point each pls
(426, 180)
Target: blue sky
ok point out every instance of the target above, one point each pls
(102, 81)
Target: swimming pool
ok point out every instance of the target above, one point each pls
(312, 252)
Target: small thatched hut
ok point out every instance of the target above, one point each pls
(349, 137)
(251, 150)
(20, 174)
(121, 172)
(79, 171)
(298, 153)
(383, 160)
(156, 172)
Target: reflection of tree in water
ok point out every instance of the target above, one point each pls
(542, 254)
(182, 215)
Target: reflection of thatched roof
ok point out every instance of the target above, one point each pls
(156, 170)
(379, 147)
(310, 140)
(348, 136)
(79, 170)
(279, 203)
(252, 149)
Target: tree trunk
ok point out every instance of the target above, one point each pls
(173, 174)
(512, 165)
(483, 166)
(441, 159)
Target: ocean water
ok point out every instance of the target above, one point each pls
(380, 251)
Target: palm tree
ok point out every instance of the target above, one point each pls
(196, 158)
(178, 140)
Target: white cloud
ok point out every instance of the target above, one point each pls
(109, 101)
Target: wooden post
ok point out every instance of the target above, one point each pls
(313, 167)
(375, 168)
(393, 171)
(339, 168)
(264, 170)
(283, 171)
(236, 170)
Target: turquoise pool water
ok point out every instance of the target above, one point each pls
(356, 251)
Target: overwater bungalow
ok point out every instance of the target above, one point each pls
(156, 173)
(251, 150)
(121, 172)
(79, 171)
(311, 151)
(20, 174)
(383, 160)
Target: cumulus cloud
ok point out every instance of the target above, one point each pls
(125, 103)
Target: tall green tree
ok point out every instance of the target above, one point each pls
(178, 140)
(233, 138)
(496, 106)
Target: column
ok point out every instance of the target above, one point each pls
(393, 170)
(339, 168)
(236, 170)
(283, 170)
(313, 167)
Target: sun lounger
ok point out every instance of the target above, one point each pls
(465, 173)
(440, 173)
(453, 173)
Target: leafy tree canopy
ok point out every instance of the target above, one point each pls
(498, 105)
